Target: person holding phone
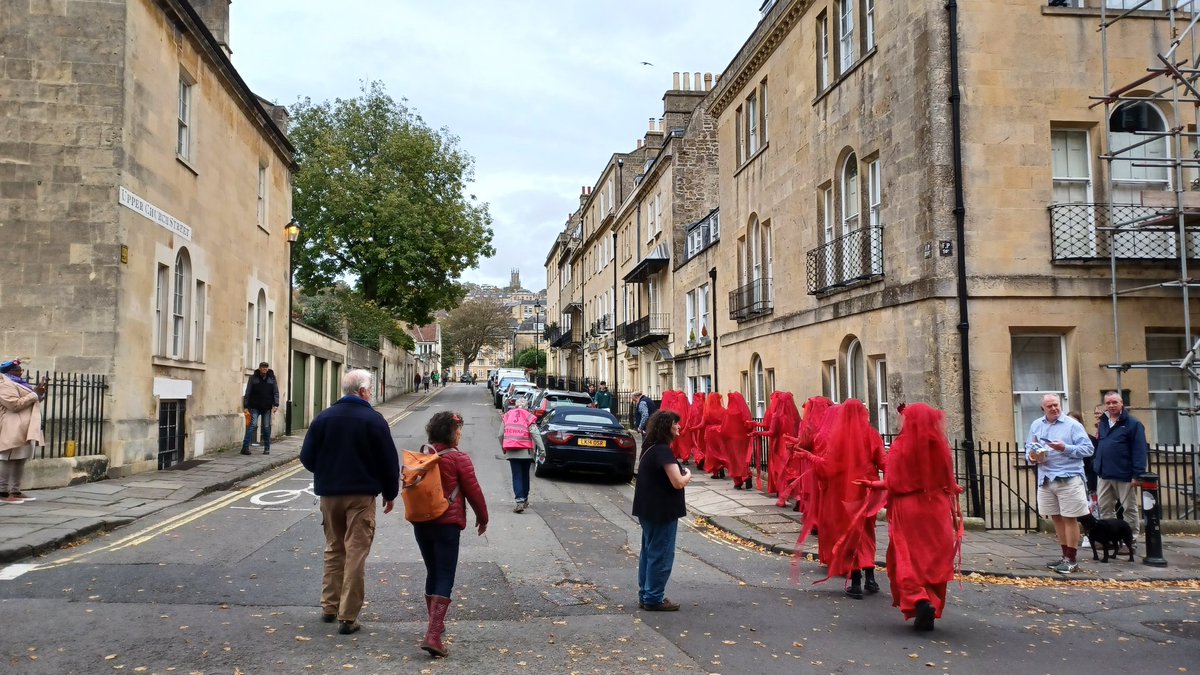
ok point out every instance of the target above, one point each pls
(658, 504)
(1057, 445)
(20, 428)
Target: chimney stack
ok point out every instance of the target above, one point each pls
(215, 14)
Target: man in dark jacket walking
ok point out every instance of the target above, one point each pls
(261, 400)
(349, 450)
(1120, 458)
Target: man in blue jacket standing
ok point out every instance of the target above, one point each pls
(350, 451)
(1120, 459)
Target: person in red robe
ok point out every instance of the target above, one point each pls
(853, 452)
(676, 402)
(714, 446)
(694, 428)
(924, 521)
(735, 434)
(781, 420)
(801, 486)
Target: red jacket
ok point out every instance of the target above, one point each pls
(459, 471)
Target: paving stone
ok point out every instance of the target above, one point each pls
(100, 488)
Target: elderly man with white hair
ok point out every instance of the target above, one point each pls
(350, 451)
(1057, 445)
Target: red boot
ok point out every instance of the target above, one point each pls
(437, 625)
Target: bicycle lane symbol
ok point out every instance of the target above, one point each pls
(279, 497)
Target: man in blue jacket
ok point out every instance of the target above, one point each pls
(349, 450)
(1120, 459)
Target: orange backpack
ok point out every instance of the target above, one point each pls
(421, 485)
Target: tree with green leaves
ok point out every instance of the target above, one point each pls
(380, 196)
(365, 321)
(473, 325)
(532, 358)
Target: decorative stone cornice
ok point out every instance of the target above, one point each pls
(769, 34)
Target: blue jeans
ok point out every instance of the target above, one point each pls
(251, 430)
(656, 559)
(439, 550)
(520, 474)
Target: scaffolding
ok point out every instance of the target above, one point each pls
(1152, 165)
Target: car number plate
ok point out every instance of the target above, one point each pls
(592, 442)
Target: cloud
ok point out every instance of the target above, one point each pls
(540, 93)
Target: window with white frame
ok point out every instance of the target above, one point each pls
(856, 372)
(262, 195)
(1168, 389)
(1071, 166)
(651, 222)
(162, 291)
(1038, 368)
(183, 141)
(763, 112)
(739, 140)
(881, 398)
(869, 24)
(752, 124)
(829, 381)
(758, 391)
(699, 384)
(702, 313)
(824, 78)
(658, 206)
(180, 305)
(260, 329)
(849, 187)
(874, 193)
(199, 320)
(846, 35)
(689, 308)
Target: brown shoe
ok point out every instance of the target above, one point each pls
(348, 627)
(328, 618)
(665, 606)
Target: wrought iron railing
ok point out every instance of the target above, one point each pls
(647, 328)
(754, 299)
(72, 414)
(846, 261)
(1089, 232)
(566, 338)
(601, 326)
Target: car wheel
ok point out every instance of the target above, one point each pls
(540, 470)
(625, 477)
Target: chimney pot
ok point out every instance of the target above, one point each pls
(708, 81)
(687, 81)
(675, 80)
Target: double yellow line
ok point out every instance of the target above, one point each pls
(173, 522)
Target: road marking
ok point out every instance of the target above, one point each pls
(277, 497)
(14, 571)
(145, 535)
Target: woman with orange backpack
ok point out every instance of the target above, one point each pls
(439, 539)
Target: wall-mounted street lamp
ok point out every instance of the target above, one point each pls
(292, 232)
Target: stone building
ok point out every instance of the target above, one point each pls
(144, 191)
(914, 167)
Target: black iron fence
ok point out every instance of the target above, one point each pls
(850, 259)
(1093, 233)
(72, 414)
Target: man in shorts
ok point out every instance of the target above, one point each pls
(1057, 445)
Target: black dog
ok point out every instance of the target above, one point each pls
(1108, 533)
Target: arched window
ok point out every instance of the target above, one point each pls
(181, 304)
(1130, 177)
(856, 372)
(850, 195)
(260, 328)
(758, 394)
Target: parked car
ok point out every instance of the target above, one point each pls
(502, 387)
(518, 390)
(585, 440)
(465, 378)
(548, 399)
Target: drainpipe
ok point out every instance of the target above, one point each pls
(975, 496)
(614, 387)
(712, 279)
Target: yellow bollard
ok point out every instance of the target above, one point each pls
(70, 448)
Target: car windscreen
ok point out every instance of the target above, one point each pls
(571, 398)
(584, 416)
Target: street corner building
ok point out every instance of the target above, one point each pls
(144, 190)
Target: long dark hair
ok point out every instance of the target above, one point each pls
(658, 428)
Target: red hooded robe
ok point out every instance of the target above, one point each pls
(735, 434)
(676, 402)
(694, 428)
(714, 446)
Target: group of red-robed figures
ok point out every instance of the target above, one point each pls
(830, 460)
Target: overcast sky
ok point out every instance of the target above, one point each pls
(539, 92)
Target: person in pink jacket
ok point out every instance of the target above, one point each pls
(518, 437)
(20, 428)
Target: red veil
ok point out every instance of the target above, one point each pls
(735, 435)
(676, 402)
(694, 428)
(714, 447)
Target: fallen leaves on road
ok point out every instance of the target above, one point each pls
(1101, 584)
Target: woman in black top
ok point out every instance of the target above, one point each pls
(658, 504)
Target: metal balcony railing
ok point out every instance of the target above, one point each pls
(754, 299)
(648, 329)
(566, 338)
(846, 261)
(601, 326)
(1087, 233)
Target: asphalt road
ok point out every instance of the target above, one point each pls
(229, 583)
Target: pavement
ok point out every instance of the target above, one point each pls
(64, 516)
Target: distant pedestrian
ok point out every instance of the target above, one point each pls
(924, 520)
(658, 504)
(425, 381)
(603, 397)
(517, 432)
(1120, 460)
(474, 377)
(20, 428)
(439, 539)
(591, 392)
(436, 378)
(417, 382)
(641, 411)
(261, 400)
(1057, 445)
(349, 450)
